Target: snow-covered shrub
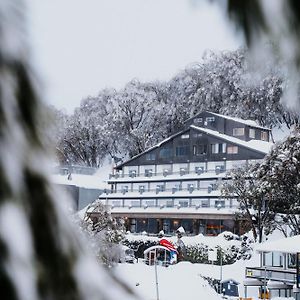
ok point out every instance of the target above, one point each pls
(229, 245)
(104, 232)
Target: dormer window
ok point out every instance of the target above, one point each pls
(185, 136)
(264, 136)
(210, 119)
(238, 131)
(198, 121)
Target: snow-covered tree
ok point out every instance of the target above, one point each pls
(40, 255)
(279, 177)
(105, 232)
(254, 205)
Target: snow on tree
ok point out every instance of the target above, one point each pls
(279, 177)
(254, 204)
(105, 232)
(40, 255)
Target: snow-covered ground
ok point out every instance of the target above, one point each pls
(184, 280)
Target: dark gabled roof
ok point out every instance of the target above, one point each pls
(255, 145)
(153, 147)
(250, 123)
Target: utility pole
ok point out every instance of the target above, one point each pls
(156, 279)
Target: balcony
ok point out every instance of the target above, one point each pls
(183, 172)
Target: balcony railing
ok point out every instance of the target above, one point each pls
(272, 273)
(159, 189)
(167, 172)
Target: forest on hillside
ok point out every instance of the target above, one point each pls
(125, 122)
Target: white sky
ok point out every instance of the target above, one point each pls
(80, 47)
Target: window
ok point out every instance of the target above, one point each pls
(252, 133)
(183, 203)
(219, 204)
(238, 131)
(197, 121)
(124, 188)
(185, 136)
(210, 119)
(165, 153)
(214, 148)
(222, 148)
(197, 135)
(199, 150)
(232, 149)
(264, 136)
(132, 173)
(141, 188)
(160, 187)
(148, 172)
(150, 156)
(182, 150)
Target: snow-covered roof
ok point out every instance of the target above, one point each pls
(257, 145)
(246, 122)
(285, 245)
(85, 181)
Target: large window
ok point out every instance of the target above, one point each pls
(182, 150)
(232, 149)
(199, 150)
(238, 131)
(165, 153)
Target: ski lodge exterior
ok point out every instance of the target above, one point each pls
(177, 182)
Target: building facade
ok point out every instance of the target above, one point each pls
(177, 182)
(278, 273)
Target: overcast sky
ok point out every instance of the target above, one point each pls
(80, 47)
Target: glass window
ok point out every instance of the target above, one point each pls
(210, 119)
(150, 156)
(252, 133)
(199, 150)
(232, 149)
(215, 148)
(264, 136)
(182, 150)
(292, 261)
(165, 153)
(238, 131)
(277, 259)
(185, 136)
(197, 121)
(224, 148)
